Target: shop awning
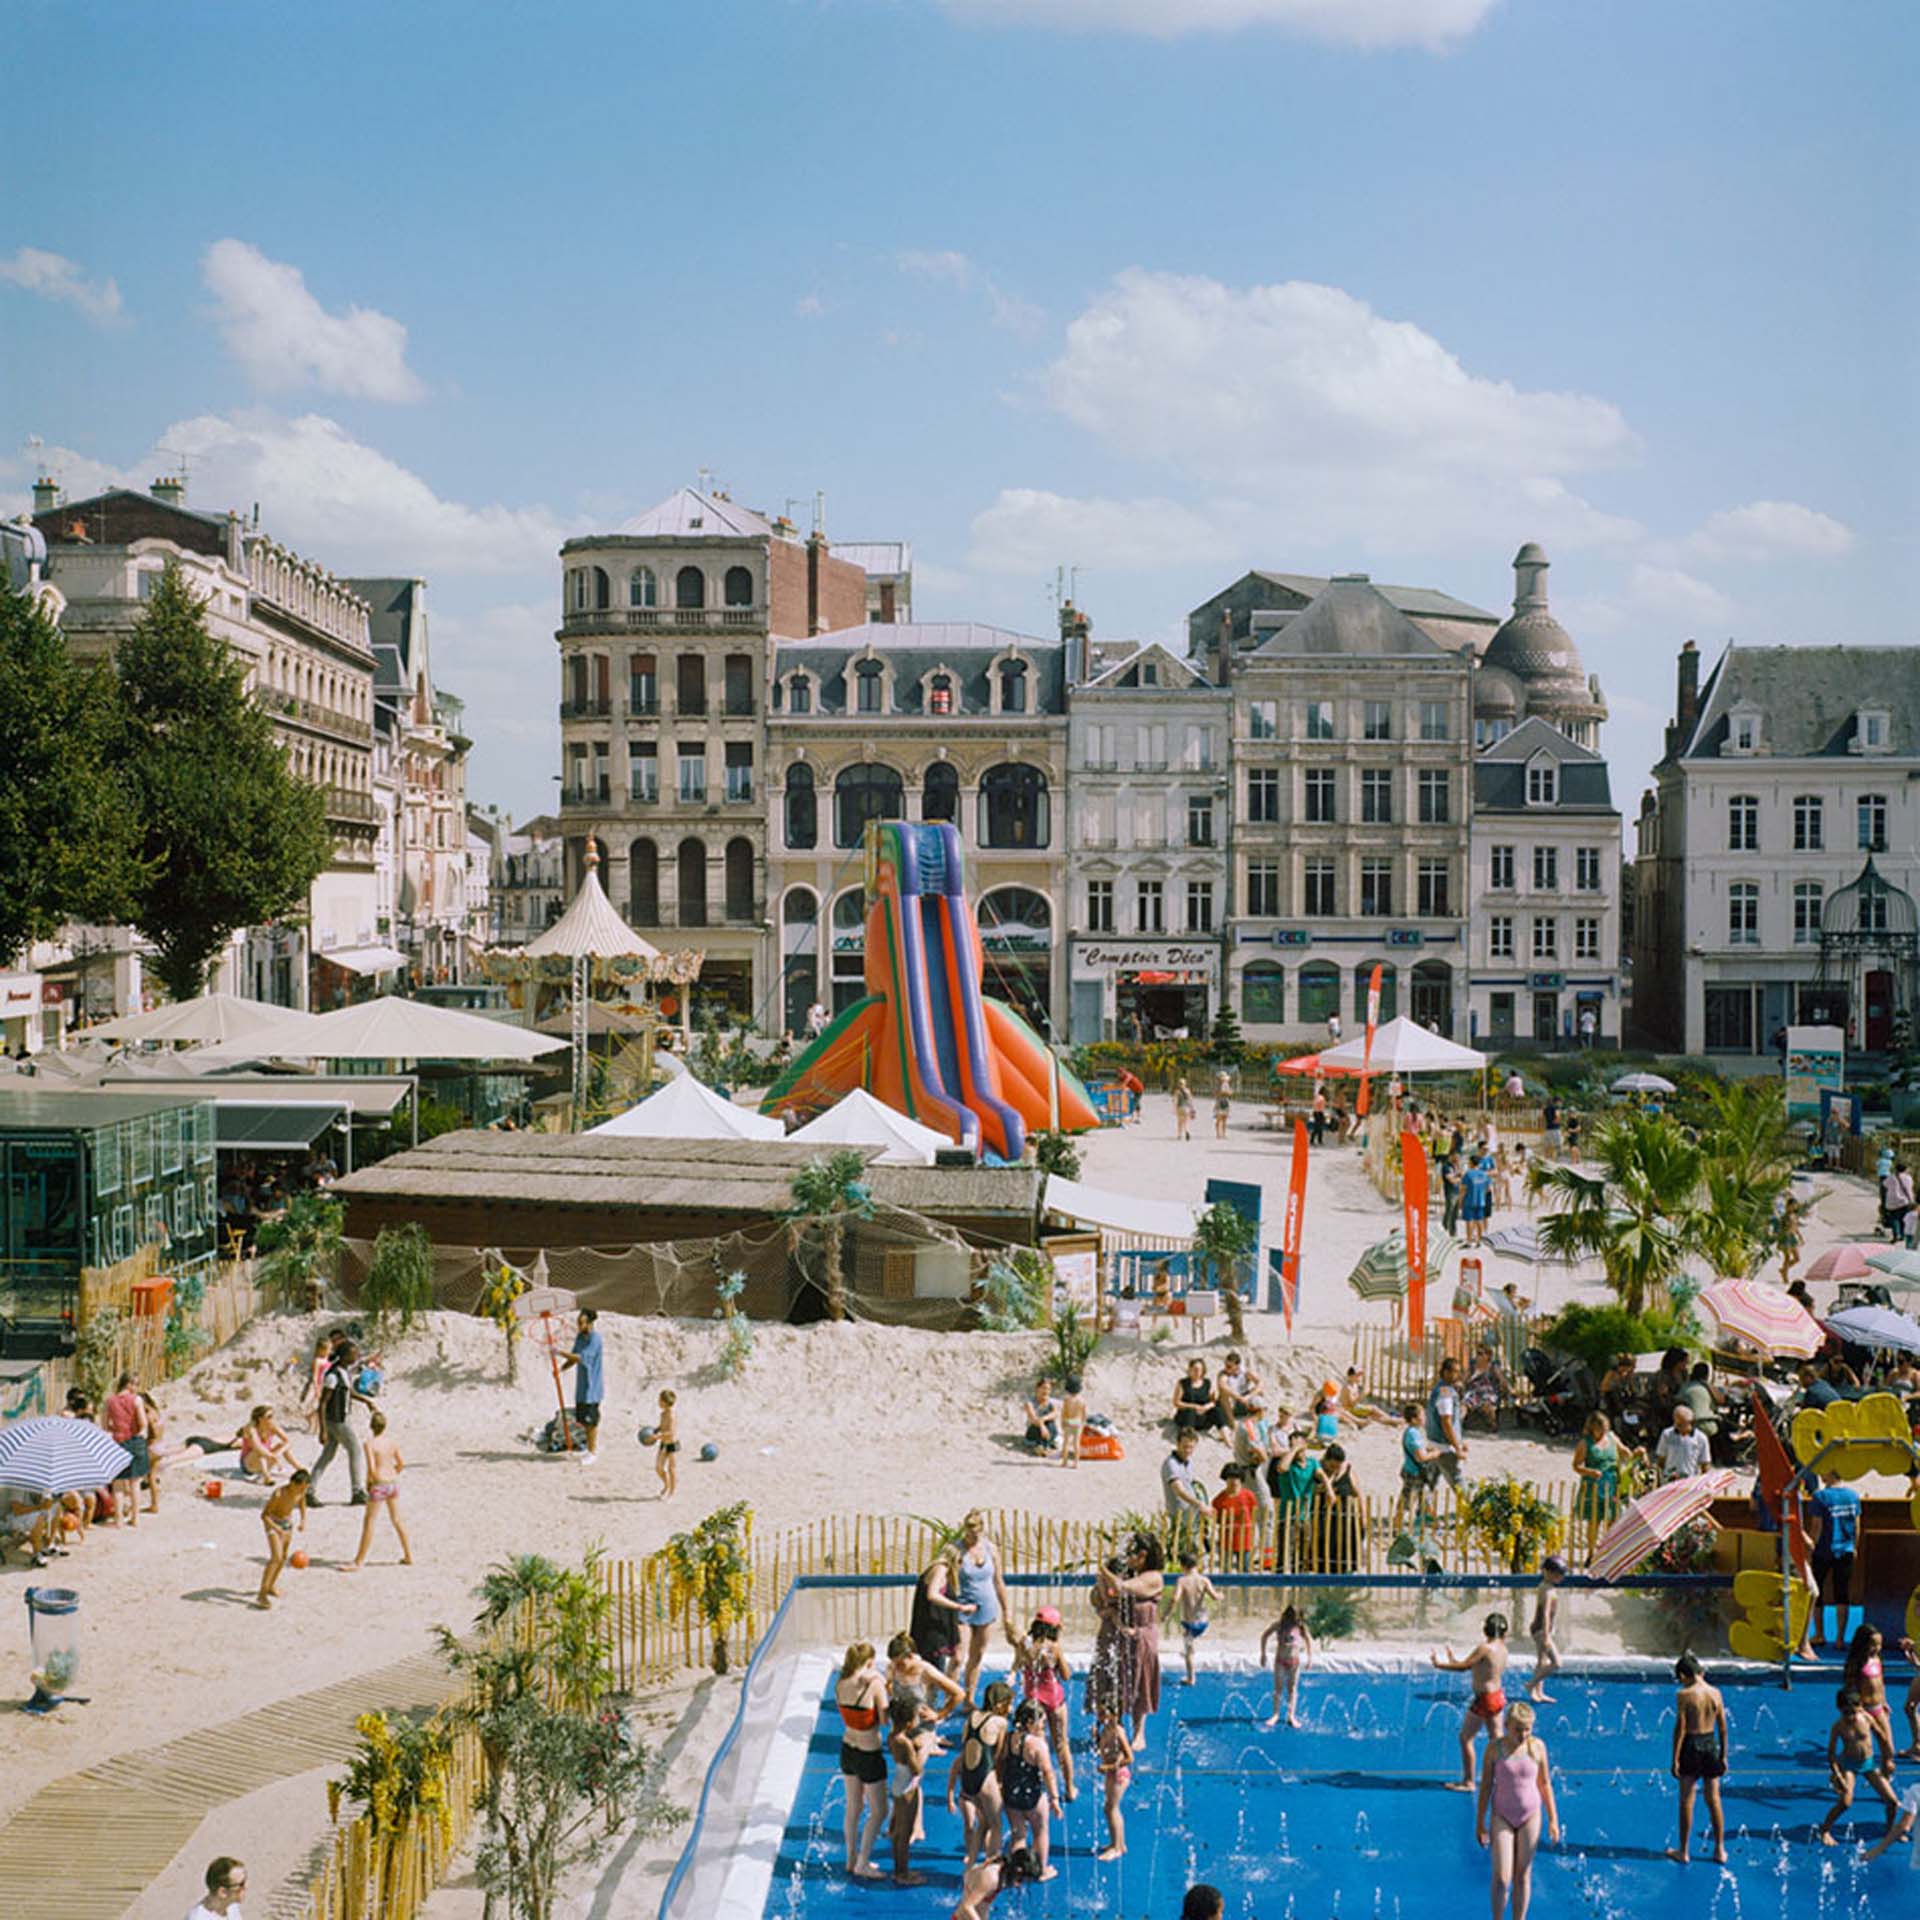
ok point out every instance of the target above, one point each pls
(1160, 1220)
(273, 1126)
(367, 1097)
(367, 960)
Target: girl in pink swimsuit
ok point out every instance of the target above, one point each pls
(1044, 1673)
(1867, 1677)
(1516, 1785)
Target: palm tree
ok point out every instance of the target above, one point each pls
(1642, 1217)
(1750, 1153)
(1223, 1236)
(824, 1192)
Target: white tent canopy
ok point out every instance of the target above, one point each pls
(1401, 1046)
(396, 1029)
(590, 926)
(684, 1109)
(366, 960)
(223, 1019)
(862, 1121)
(1161, 1220)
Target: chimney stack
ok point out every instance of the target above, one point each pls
(46, 494)
(1223, 649)
(1687, 699)
(170, 490)
(816, 552)
(1076, 632)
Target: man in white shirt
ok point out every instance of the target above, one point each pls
(1180, 1485)
(226, 1882)
(1682, 1452)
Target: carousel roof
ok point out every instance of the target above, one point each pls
(591, 926)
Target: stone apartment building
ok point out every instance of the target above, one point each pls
(1778, 854)
(1352, 767)
(304, 638)
(666, 661)
(528, 882)
(1149, 802)
(928, 721)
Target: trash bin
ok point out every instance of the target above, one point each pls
(53, 1631)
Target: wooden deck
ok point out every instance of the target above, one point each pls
(87, 1846)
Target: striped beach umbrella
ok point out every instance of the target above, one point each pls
(52, 1455)
(1652, 1518)
(1523, 1242)
(1899, 1265)
(1763, 1316)
(1849, 1261)
(1877, 1327)
(1381, 1272)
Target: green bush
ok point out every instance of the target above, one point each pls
(1334, 1613)
(1014, 1297)
(399, 1282)
(1594, 1335)
(1055, 1152)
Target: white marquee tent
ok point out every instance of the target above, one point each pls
(1402, 1046)
(862, 1121)
(684, 1109)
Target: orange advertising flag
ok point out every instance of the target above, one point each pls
(1413, 1187)
(1293, 1225)
(1366, 1052)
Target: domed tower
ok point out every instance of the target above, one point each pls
(1538, 653)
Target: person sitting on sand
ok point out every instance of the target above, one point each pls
(1196, 1408)
(1487, 1663)
(1516, 1786)
(1043, 1418)
(384, 1467)
(1236, 1385)
(277, 1517)
(1354, 1404)
(263, 1446)
(1857, 1747)
(1699, 1754)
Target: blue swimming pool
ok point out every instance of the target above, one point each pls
(1350, 1816)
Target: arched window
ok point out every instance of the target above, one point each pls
(602, 588)
(869, 685)
(803, 816)
(690, 588)
(1263, 994)
(642, 589)
(643, 883)
(867, 791)
(940, 792)
(1016, 940)
(1433, 995)
(1319, 992)
(693, 883)
(1013, 687)
(940, 693)
(800, 951)
(738, 587)
(849, 948)
(800, 694)
(1013, 807)
(740, 879)
(1389, 991)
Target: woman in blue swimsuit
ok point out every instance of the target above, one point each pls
(983, 1594)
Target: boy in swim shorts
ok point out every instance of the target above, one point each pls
(277, 1518)
(1191, 1593)
(667, 1437)
(1487, 1663)
(1857, 1748)
(1699, 1754)
(1546, 1616)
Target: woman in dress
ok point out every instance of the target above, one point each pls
(1137, 1593)
(1596, 1464)
(983, 1594)
(937, 1615)
(860, 1695)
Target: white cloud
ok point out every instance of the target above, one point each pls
(54, 277)
(1770, 530)
(1433, 24)
(1028, 530)
(946, 267)
(284, 338)
(941, 264)
(1684, 599)
(809, 306)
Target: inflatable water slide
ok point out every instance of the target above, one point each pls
(926, 1038)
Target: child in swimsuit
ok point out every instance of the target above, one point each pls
(1865, 1674)
(384, 1467)
(1546, 1614)
(1292, 1653)
(1044, 1673)
(1487, 1663)
(1191, 1593)
(1516, 1787)
(1699, 1754)
(1073, 1419)
(667, 1437)
(973, 1781)
(1115, 1754)
(1858, 1747)
(1326, 1413)
(277, 1517)
(860, 1695)
(1027, 1786)
(907, 1745)
(1911, 1751)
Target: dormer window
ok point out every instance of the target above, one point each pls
(799, 694)
(1543, 783)
(1872, 731)
(1743, 731)
(1149, 674)
(940, 697)
(1013, 687)
(868, 686)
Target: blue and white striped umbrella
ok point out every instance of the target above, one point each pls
(52, 1455)
(1877, 1327)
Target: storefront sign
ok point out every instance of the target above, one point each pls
(1406, 937)
(19, 995)
(1144, 958)
(1546, 982)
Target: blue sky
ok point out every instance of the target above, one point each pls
(1161, 289)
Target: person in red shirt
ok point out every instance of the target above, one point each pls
(1133, 1087)
(1237, 1507)
(125, 1418)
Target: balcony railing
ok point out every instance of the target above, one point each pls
(739, 785)
(595, 709)
(591, 793)
(643, 706)
(345, 804)
(662, 619)
(311, 713)
(685, 709)
(648, 796)
(738, 706)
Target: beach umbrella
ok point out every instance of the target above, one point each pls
(1900, 1265)
(1381, 1273)
(213, 1019)
(1653, 1518)
(1643, 1083)
(1763, 1316)
(51, 1455)
(1851, 1261)
(1875, 1327)
(1523, 1242)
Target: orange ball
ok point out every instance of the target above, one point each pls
(298, 1557)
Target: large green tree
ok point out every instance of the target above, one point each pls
(66, 819)
(232, 836)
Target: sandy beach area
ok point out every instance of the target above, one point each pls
(826, 1419)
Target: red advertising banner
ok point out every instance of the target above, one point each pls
(1293, 1225)
(1366, 1052)
(1413, 1185)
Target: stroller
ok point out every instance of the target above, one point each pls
(1563, 1391)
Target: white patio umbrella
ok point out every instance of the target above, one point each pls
(1642, 1083)
(862, 1121)
(1403, 1046)
(684, 1109)
(217, 1019)
(394, 1029)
